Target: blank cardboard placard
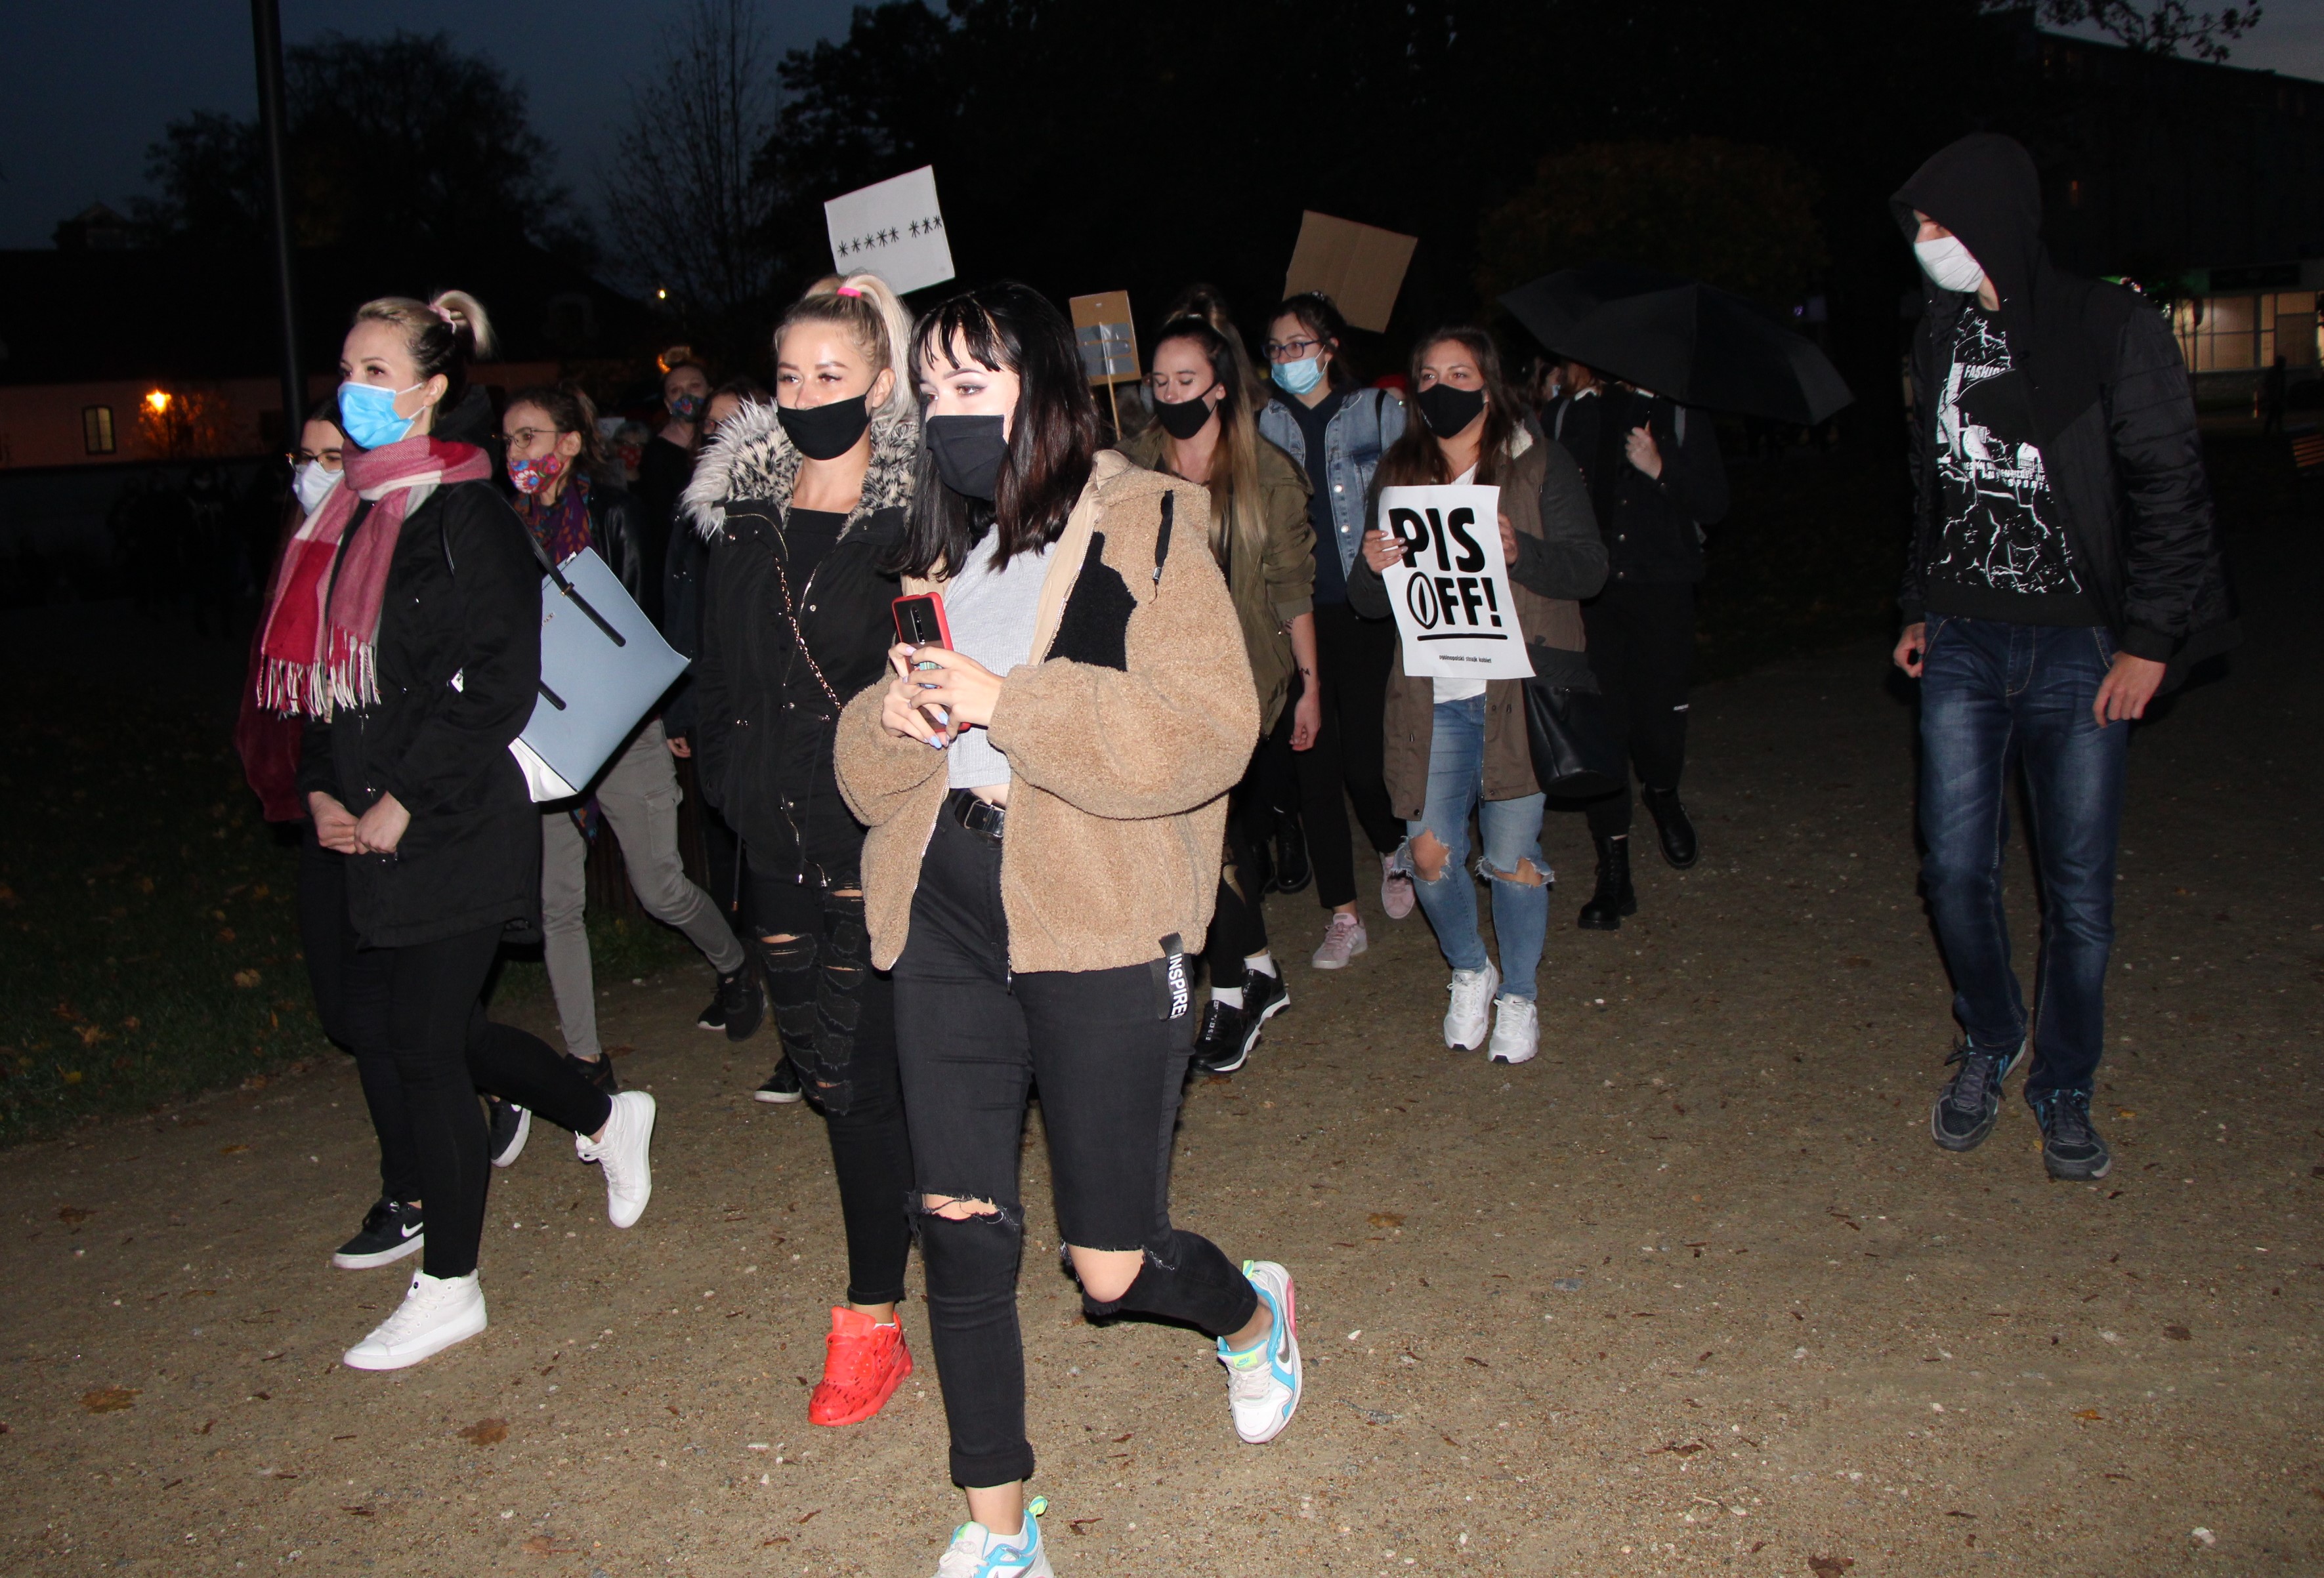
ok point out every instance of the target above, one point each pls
(1358, 266)
(1108, 339)
(892, 228)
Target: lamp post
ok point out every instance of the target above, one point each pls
(266, 32)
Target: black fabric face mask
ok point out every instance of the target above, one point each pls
(969, 453)
(1447, 409)
(1182, 420)
(825, 432)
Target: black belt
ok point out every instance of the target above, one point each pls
(981, 817)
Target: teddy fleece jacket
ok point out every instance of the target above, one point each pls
(1122, 741)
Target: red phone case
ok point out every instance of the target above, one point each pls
(934, 600)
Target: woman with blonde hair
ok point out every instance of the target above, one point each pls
(1260, 534)
(802, 503)
(405, 628)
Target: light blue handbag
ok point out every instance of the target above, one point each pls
(602, 667)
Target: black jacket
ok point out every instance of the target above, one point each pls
(765, 711)
(683, 571)
(1651, 525)
(463, 601)
(2102, 392)
(615, 530)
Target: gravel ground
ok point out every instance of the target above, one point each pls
(1693, 1291)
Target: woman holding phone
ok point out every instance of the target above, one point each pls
(1046, 799)
(1457, 746)
(802, 503)
(1202, 432)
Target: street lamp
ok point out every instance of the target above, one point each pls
(158, 401)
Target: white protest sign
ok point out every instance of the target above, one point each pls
(893, 229)
(1450, 596)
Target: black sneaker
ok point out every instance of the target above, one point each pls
(1971, 1099)
(740, 1005)
(713, 1017)
(1223, 1043)
(782, 1086)
(391, 1230)
(598, 1072)
(509, 1126)
(1264, 996)
(2070, 1147)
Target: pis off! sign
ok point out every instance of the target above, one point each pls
(1450, 596)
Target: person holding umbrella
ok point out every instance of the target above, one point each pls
(2064, 562)
(1657, 481)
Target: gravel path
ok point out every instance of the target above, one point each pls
(1691, 1292)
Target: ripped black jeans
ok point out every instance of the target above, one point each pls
(1110, 1058)
(837, 1018)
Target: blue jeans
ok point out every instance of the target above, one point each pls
(1510, 830)
(1996, 695)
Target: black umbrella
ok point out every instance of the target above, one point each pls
(1689, 342)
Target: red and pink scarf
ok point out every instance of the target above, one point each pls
(317, 653)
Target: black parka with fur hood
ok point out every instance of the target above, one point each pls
(767, 699)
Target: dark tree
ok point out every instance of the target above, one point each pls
(2167, 28)
(404, 135)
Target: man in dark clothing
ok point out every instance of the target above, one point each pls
(2062, 562)
(1656, 480)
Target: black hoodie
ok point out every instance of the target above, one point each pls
(2105, 400)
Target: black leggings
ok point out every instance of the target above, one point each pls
(1239, 925)
(1642, 649)
(837, 1017)
(1109, 1049)
(414, 1020)
(1348, 761)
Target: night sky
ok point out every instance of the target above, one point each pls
(85, 86)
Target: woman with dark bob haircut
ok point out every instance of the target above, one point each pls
(1045, 797)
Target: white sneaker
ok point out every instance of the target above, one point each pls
(1466, 1020)
(1344, 939)
(435, 1313)
(1264, 1382)
(625, 1156)
(976, 1551)
(1517, 1029)
(1397, 893)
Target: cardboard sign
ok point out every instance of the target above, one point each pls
(1107, 340)
(893, 229)
(1450, 596)
(1360, 267)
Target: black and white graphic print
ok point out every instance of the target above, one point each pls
(2003, 529)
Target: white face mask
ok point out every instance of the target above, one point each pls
(312, 483)
(1950, 264)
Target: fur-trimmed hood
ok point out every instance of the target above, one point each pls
(754, 458)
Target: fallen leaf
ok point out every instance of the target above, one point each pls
(817, 1512)
(2088, 1414)
(243, 978)
(2177, 1334)
(1081, 1525)
(356, 1511)
(108, 1399)
(486, 1432)
(1680, 1448)
(1385, 1219)
(542, 1545)
(232, 1150)
(71, 1214)
(1830, 1566)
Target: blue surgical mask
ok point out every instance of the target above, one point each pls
(367, 414)
(1298, 377)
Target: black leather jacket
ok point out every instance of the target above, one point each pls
(616, 531)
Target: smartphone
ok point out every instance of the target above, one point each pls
(920, 622)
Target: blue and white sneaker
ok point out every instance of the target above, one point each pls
(976, 1551)
(1263, 1382)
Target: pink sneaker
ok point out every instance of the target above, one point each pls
(1342, 940)
(1397, 896)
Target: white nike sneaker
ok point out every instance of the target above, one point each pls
(976, 1551)
(435, 1313)
(1264, 1382)
(1517, 1029)
(1472, 1012)
(625, 1156)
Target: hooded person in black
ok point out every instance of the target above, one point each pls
(2063, 568)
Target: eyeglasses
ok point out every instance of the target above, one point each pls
(1293, 350)
(523, 437)
(329, 457)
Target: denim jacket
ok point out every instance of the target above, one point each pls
(1368, 421)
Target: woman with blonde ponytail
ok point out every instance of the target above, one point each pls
(802, 503)
(405, 629)
(1204, 431)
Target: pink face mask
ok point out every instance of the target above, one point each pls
(530, 476)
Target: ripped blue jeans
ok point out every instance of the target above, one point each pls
(1510, 831)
